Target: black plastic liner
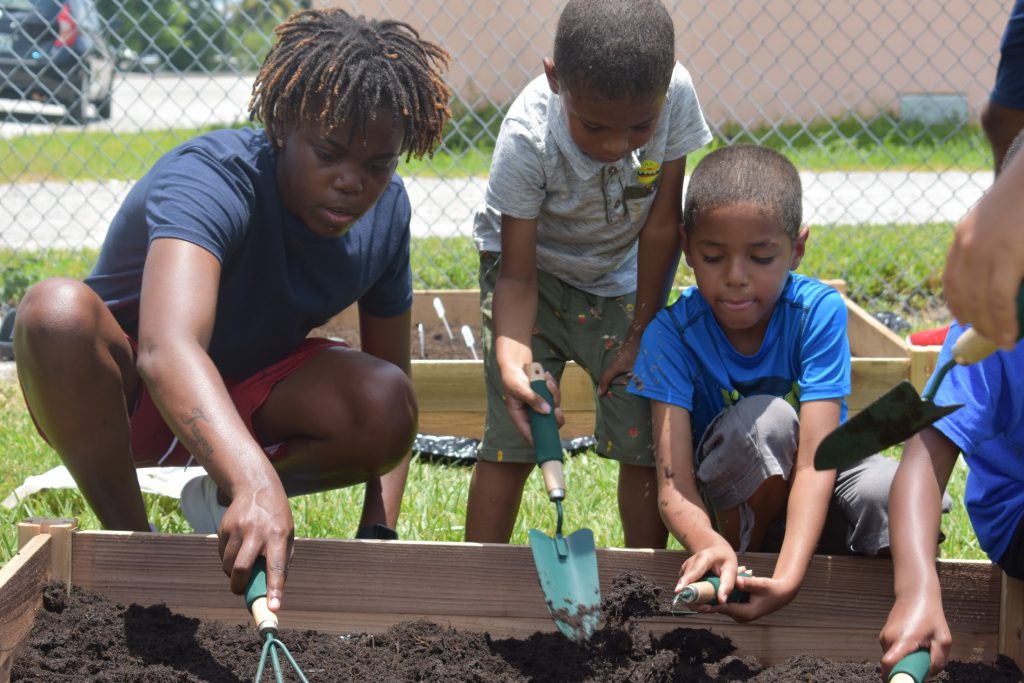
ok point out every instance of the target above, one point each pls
(461, 450)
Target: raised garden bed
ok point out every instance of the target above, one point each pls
(356, 587)
(450, 385)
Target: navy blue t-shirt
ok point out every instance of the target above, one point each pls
(278, 280)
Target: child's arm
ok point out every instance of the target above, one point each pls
(515, 312)
(387, 339)
(176, 317)
(680, 503)
(915, 507)
(657, 256)
(809, 498)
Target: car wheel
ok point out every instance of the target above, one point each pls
(78, 106)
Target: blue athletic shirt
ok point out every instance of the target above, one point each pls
(989, 429)
(686, 360)
(279, 280)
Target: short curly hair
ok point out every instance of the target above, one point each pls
(328, 67)
(746, 174)
(616, 49)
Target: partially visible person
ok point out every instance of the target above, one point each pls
(747, 373)
(188, 341)
(985, 264)
(578, 242)
(1003, 116)
(989, 430)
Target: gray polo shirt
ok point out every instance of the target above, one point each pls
(589, 214)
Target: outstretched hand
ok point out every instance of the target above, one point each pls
(258, 523)
(520, 398)
(766, 596)
(621, 367)
(912, 624)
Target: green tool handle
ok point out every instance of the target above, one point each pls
(547, 445)
(913, 668)
(971, 347)
(705, 592)
(256, 598)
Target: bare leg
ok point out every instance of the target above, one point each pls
(767, 502)
(1001, 126)
(346, 417)
(495, 492)
(77, 371)
(638, 506)
(383, 500)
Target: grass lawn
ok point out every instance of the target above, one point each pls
(848, 144)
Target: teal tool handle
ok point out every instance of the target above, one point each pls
(547, 445)
(912, 669)
(256, 598)
(705, 592)
(544, 428)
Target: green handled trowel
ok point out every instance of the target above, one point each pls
(900, 412)
(913, 668)
(566, 565)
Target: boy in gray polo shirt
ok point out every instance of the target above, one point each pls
(578, 242)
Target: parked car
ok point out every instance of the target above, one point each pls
(56, 51)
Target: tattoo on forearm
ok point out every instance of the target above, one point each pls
(193, 422)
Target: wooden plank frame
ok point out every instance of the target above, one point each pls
(838, 613)
(453, 401)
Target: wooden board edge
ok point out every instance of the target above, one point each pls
(496, 581)
(869, 338)
(21, 594)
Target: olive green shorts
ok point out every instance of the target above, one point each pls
(571, 325)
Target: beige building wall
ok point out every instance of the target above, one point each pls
(752, 62)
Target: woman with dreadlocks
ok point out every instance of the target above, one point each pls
(187, 343)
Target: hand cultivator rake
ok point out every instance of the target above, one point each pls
(266, 624)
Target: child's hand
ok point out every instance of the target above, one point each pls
(620, 368)
(913, 623)
(258, 522)
(718, 559)
(520, 397)
(766, 596)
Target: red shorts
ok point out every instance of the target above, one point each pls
(153, 443)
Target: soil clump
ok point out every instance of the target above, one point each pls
(85, 637)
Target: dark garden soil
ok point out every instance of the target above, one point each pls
(84, 637)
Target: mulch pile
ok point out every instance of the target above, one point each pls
(85, 637)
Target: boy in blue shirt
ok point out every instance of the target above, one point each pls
(578, 241)
(189, 338)
(989, 431)
(747, 372)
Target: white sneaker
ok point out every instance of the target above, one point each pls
(199, 505)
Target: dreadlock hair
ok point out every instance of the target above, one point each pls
(327, 67)
(745, 174)
(615, 49)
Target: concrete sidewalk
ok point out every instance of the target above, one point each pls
(36, 215)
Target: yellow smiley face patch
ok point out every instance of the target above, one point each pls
(648, 172)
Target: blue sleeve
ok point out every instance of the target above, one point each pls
(391, 294)
(977, 387)
(664, 370)
(199, 199)
(825, 350)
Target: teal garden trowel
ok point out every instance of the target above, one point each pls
(566, 565)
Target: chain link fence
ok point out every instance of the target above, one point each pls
(876, 102)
